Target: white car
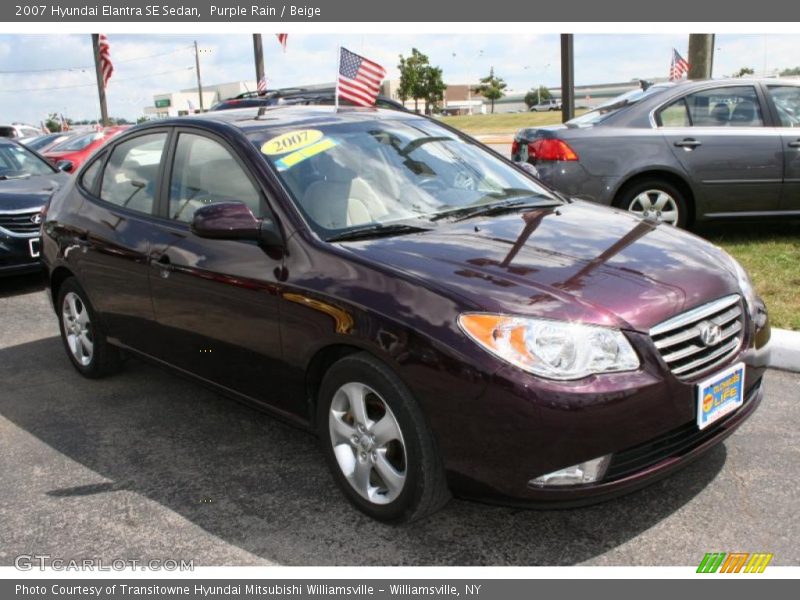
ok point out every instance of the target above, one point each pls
(545, 105)
(19, 130)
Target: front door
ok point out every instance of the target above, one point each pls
(217, 300)
(786, 100)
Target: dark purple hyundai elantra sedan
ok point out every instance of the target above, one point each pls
(438, 317)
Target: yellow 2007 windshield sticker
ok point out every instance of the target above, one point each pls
(291, 141)
(287, 162)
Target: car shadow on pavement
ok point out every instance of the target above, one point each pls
(18, 285)
(262, 486)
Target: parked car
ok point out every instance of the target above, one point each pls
(440, 319)
(42, 143)
(547, 105)
(324, 97)
(680, 153)
(70, 154)
(26, 183)
(19, 130)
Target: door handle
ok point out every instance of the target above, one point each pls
(794, 144)
(688, 143)
(164, 265)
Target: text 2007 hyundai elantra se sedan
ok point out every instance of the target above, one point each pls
(437, 316)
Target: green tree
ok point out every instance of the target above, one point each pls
(412, 77)
(743, 72)
(537, 95)
(53, 123)
(433, 87)
(790, 72)
(492, 87)
(142, 119)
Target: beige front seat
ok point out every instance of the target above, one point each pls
(341, 199)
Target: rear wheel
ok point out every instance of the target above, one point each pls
(655, 199)
(377, 442)
(83, 337)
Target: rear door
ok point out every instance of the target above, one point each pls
(217, 300)
(113, 231)
(721, 138)
(786, 105)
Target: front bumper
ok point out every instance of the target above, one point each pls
(18, 254)
(645, 420)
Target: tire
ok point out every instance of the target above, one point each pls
(82, 334)
(661, 195)
(395, 471)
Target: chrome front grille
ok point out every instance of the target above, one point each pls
(20, 222)
(701, 339)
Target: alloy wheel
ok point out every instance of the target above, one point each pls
(77, 328)
(367, 443)
(657, 205)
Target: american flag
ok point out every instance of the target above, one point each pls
(678, 67)
(359, 78)
(106, 68)
(282, 37)
(262, 85)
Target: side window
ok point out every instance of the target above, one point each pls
(674, 115)
(89, 177)
(725, 107)
(131, 173)
(787, 101)
(204, 172)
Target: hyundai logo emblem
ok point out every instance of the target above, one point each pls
(36, 219)
(710, 333)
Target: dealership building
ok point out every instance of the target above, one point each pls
(458, 98)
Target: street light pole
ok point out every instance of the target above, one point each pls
(197, 71)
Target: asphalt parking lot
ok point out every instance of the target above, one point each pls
(148, 465)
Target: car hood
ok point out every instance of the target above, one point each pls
(578, 261)
(30, 193)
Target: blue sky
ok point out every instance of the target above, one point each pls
(149, 64)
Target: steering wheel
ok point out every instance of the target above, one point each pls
(431, 183)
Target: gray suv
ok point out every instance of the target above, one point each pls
(680, 153)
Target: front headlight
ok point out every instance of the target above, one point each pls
(743, 279)
(551, 349)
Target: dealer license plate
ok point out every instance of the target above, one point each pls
(720, 395)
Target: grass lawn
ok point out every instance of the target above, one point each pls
(503, 122)
(771, 254)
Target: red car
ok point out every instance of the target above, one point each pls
(72, 153)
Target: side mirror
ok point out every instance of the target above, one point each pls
(528, 168)
(64, 165)
(234, 221)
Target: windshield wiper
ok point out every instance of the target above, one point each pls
(494, 208)
(376, 230)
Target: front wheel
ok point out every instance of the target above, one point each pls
(656, 200)
(377, 443)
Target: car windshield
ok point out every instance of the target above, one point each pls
(78, 142)
(357, 173)
(17, 162)
(605, 110)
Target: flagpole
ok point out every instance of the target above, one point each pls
(338, 67)
(258, 50)
(101, 88)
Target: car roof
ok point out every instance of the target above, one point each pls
(253, 119)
